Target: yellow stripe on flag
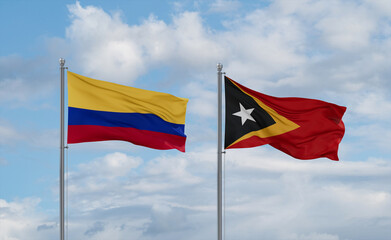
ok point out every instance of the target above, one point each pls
(92, 94)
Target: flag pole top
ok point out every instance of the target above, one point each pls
(62, 61)
(219, 67)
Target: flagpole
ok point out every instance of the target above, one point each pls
(219, 153)
(62, 232)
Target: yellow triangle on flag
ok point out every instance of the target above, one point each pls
(281, 126)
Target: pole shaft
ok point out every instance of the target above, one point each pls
(219, 154)
(62, 232)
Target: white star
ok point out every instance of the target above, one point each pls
(244, 114)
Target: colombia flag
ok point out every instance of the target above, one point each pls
(101, 111)
(303, 128)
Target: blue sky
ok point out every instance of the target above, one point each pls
(337, 51)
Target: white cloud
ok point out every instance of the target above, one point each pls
(122, 53)
(111, 166)
(372, 105)
(101, 177)
(303, 196)
(381, 7)
(262, 45)
(202, 100)
(104, 44)
(21, 220)
(347, 25)
(310, 198)
(314, 44)
(165, 219)
(371, 136)
(175, 196)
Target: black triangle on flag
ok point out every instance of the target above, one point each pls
(242, 114)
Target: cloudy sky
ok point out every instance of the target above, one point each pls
(336, 51)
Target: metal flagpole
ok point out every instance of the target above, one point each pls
(219, 153)
(62, 232)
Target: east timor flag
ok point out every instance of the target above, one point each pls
(303, 128)
(100, 111)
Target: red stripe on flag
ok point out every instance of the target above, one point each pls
(156, 140)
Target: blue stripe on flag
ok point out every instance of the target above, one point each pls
(142, 121)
